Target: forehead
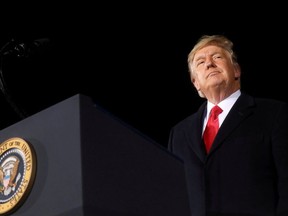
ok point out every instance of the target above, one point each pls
(208, 50)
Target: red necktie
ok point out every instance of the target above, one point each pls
(211, 127)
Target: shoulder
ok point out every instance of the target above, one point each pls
(192, 118)
(270, 103)
(249, 99)
(263, 105)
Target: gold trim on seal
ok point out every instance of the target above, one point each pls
(17, 173)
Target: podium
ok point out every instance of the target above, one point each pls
(89, 162)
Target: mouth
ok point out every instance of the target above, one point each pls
(213, 73)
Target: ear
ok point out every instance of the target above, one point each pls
(196, 84)
(237, 71)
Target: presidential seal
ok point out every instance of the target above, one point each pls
(17, 173)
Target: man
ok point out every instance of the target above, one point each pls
(245, 171)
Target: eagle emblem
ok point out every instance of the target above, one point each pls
(9, 175)
(17, 173)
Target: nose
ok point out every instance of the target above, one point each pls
(209, 63)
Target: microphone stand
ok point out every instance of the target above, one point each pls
(3, 86)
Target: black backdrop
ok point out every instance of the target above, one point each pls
(132, 62)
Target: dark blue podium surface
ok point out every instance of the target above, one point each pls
(91, 163)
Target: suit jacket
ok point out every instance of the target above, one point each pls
(246, 170)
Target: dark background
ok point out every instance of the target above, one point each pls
(131, 59)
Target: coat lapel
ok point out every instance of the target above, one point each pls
(237, 114)
(194, 133)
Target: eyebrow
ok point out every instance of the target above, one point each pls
(199, 58)
(203, 56)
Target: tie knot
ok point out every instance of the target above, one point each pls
(215, 111)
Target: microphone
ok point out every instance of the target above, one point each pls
(24, 49)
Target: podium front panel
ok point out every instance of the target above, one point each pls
(89, 162)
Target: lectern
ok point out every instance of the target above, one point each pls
(89, 162)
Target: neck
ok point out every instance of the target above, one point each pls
(216, 97)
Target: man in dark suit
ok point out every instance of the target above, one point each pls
(245, 171)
